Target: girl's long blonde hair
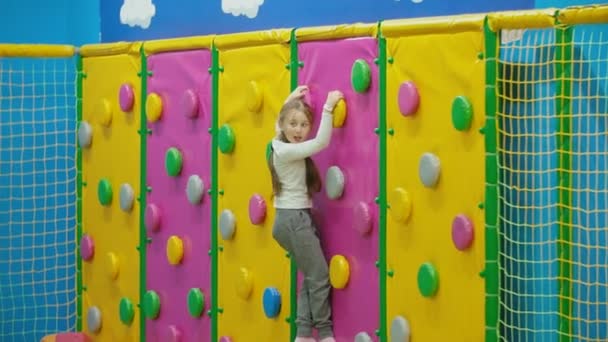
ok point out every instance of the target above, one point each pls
(313, 179)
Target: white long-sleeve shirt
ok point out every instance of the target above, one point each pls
(290, 166)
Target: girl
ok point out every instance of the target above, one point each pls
(294, 180)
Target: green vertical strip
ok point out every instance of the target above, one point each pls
(294, 67)
(78, 196)
(563, 70)
(143, 189)
(215, 73)
(491, 272)
(382, 161)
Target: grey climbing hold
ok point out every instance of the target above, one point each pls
(429, 168)
(400, 330)
(227, 224)
(94, 319)
(334, 182)
(195, 189)
(126, 197)
(85, 134)
(363, 337)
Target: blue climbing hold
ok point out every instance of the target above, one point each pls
(272, 302)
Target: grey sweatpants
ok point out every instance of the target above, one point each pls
(295, 231)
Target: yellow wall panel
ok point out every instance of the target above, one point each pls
(252, 87)
(441, 68)
(112, 274)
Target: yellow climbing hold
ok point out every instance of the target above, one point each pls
(255, 97)
(244, 283)
(154, 107)
(400, 204)
(104, 112)
(112, 267)
(339, 271)
(339, 113)
(175, 250)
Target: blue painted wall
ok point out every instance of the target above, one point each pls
(201, 17)
(58, 21)
(81, 22)
(563, 3)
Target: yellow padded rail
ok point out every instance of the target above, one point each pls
(110, 49)
(533, 19)
(255, 38)
(336, 32)
(36, 50)
(592, 14)
(178, 44)
(432, 25)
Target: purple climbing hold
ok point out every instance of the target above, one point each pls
(408, 99)
(126, 97)
(257, 209)
(462, 232)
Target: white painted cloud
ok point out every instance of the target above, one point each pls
(248, 8)
(137, 13)
(416, 1)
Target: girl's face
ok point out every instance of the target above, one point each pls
(296, 126)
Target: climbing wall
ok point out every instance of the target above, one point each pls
(344, 210)
(253, 270)
(178, 210)
(108, 136)
(435, 184)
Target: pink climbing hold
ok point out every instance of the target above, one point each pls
(152, 217)
(225, 339)
(408, 99)
(462, 232)
(71, 337)
(307, 98)
(257, 209)
(87, 247)
(362, 218)
(189, 104)
(173, 334)
(126, 97)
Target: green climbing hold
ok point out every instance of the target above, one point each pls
(226, 139)
(428, 279)
(196, 302)
(151, 304)
(173, 161)
(104, 191)
(462, 113)
(360, 76)
(127, 312)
